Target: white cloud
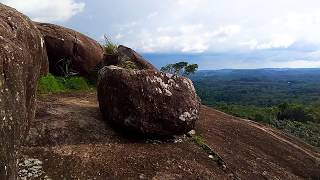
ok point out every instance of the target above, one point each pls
(47, 10)
(186, 38)
(274, 41)
(221, 25)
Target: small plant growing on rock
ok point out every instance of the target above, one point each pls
(180, 68)
(110, 47)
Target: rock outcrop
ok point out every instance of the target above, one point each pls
(147, 101)
(22, 53)
(67, 47)
(134, 57)
(81, 146)
(125, 55)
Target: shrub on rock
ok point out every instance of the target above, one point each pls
(147, 101)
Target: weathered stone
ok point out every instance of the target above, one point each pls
(126, 53)
(22, 52)
(68, 46)
(147, 101)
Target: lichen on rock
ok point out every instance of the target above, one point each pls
(148, 101)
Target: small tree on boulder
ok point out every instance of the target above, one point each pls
(180, 68)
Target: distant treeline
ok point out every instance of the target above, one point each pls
(288, 99)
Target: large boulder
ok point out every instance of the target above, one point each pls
(68, 47)
(147, 101)
(22, 52)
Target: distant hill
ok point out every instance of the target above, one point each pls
(262, 87)
(269, 73)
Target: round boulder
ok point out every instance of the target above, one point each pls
(69, 50)
(22, 53)
(147, 101)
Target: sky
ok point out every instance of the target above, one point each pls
(216, 34)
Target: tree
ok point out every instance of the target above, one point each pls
(293, 112)
(180, 68)
(191, 69)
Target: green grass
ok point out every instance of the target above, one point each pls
(110, 47)
(51, 84)
(75, 83)
(198, 140)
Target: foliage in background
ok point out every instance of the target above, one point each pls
(295, 112)
(180, 68)
(285, 99)
(308, 131)
(109, 46)
(297, 121)
(52, 84)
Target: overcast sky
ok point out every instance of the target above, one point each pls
(213, 33)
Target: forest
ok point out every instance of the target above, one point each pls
(287, 99)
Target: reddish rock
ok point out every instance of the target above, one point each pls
(63, 44)
(147, 101)
(22, 52)
(125, 52)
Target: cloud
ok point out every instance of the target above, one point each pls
(47, 10)
(213, 26)
(196, 38)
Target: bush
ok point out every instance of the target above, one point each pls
(296, 119)
(52, 84)
(294, 112)
(76, 83)
(309, 131)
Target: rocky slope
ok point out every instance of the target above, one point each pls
(70, 140)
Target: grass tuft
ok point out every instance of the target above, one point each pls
(110, 47)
